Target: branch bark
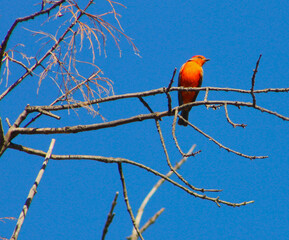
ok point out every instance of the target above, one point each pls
(32, 193)
(217, 200)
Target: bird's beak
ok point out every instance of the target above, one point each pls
(207, 59)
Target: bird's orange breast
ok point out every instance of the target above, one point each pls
(191, 75)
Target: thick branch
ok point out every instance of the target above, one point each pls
(151, 93)
(141, 117)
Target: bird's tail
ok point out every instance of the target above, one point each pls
(185, 115)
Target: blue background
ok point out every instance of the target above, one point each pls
(74, 197)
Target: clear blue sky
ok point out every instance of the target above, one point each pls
(74, 197)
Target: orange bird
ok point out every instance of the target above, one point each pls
(191, 75)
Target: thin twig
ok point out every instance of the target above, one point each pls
(32, 193)
(49, 114)
(2, 138)
(127, 161)
(23, 19)
(169, 162)
(222, 146)
(206, 94)
(8, 122)
(229, 120)
(151, 220)
(253, 80)
(172, 80)
(153, 190)
(206, 97)
(64, 95)
(7, 218)
(168, 94)
(128, 207)
(145, 104)
(109, 217)
(174, 133)
(175, 138)
(2, 219)
(19, 63)
(148, 107)
(49, 52)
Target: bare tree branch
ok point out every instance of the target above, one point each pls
(170, 165)
(32, 193)
(229, 120)
(2, 138)
(167, 92)
(38, 63)
(109, 217)
(147, 224)
(58, 60)
(151, 220)
(155, 92)
(128, 207)
(23, 19)
(15, 130)
(66, 60)
(222, 146)
(253, 80)
(145, 104)
(141, 117)
(127, 161)
(153, 191)
(175, 138)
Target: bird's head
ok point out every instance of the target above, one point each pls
(199, 59)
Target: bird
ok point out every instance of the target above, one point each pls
(191, 75)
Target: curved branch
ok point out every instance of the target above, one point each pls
(176, 140)
(216, 200)
(169, 162)
(230, 121)
(221, 145)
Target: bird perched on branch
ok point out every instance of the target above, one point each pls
(191, 75)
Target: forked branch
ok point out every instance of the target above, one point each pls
(217, 200)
